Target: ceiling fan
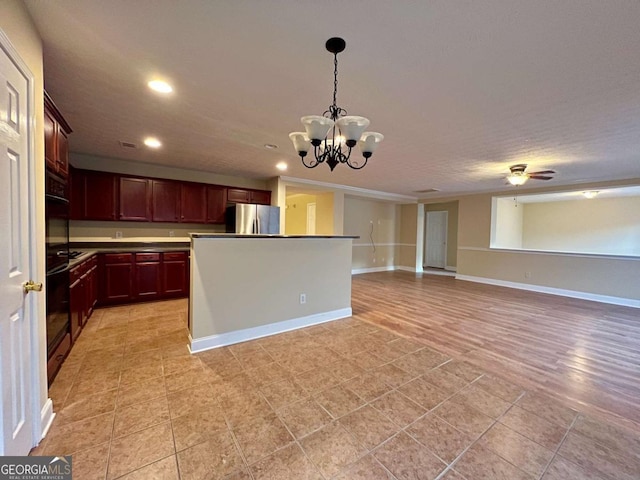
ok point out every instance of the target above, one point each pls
(518, 176)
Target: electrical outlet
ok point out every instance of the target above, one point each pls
(303, 298)
(172, 233)
(118, 234)
(527, 274)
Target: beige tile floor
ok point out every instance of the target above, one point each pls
(343, 400)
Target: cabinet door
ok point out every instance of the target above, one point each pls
(50, 151)
(99, 196)
(147, 280)
(175, 274)
(216, 204)
(193, 203)
(166, 201)
(116, 282)
(238, 195)
(76, 307)
(62, 158)
(262, 197)
(135, 199)
(93, 290)
(84, 288)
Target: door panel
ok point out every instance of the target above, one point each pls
(16, 356)
(436, 240)
(166, 201)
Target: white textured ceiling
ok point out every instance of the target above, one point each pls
(460, 89)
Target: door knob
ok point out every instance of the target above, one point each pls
(32, 286)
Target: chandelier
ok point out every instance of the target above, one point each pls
(334, 134)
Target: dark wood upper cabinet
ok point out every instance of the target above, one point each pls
(56, 143)
(111, 196)
(165, 201)
(99, 195)
(261, 197)
(50, 141)
(238, 195)
(135, 199)
(244, 195)
(193, 203)
(216, 204)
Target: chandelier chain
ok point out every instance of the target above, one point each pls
(335, 79)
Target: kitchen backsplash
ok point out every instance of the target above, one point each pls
(87, 230)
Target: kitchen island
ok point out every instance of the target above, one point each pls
(249, 286)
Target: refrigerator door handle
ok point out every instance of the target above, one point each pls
(258, 229)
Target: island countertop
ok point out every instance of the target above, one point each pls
(260, 235)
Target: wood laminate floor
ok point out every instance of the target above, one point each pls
(585, 353)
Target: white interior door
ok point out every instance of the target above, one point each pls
(436, 239)
(16, 315)
(311, 218)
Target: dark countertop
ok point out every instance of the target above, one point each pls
(237, 235)
(91, 248)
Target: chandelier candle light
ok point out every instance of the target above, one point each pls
(335, 133)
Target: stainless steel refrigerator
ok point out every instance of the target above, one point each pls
(245, 218)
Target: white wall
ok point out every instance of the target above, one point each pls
(599, 225)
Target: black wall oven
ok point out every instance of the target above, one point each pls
(57, 251)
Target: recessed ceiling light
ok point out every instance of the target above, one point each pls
(270, 146)
(152, 142)
(281, 166)
(160, 86)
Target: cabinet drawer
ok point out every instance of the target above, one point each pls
(147, 257)
(175, 256)
(74, 274)
(93, 261)
(118, 258)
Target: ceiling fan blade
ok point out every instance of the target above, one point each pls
(540, 177)
(542, 172)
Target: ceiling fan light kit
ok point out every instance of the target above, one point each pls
(334, 133)
(518, 176)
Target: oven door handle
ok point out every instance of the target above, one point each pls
(60, 269)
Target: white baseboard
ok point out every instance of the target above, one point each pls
(388, 268)
(626, 302)
(451, 268)
(405, 269)
(229, 338)
(46, 417)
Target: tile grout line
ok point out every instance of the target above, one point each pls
(557, 449)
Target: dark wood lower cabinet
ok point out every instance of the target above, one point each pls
(116, 285)
(140, 277)
(175, 272)
(83, 294)
(77, 296)
(147, 277)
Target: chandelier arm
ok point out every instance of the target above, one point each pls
(357, 168)
(310, 162)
